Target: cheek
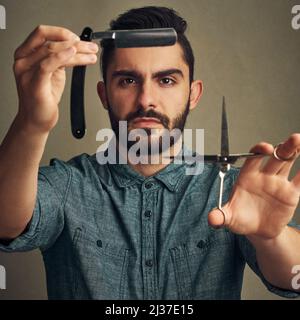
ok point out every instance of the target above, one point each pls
(177, 102)
(121, 103)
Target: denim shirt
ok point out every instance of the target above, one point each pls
(107, 232)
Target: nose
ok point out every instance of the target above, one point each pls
(146, 95)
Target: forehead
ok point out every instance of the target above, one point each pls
(151, 59)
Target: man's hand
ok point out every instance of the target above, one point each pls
(39, 69)
(263, 200)
(40, 75)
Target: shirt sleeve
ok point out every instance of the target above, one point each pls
(47, 221)
(249, 254)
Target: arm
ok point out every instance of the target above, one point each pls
(277, 257)
(20, 155)
(40, 76)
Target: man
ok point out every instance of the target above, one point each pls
(139, 231)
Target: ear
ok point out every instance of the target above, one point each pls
(101, 89)
(196, 93)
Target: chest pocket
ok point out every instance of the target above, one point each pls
(205, 266)
(101, 267)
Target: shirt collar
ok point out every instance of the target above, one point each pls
(171, 176)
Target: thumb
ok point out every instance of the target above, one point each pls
(217, 218)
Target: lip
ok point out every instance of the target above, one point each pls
(146, 122)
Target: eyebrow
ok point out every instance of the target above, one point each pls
(137, 75)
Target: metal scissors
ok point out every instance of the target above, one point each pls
(224, 160)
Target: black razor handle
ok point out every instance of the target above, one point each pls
(139, 37)
(77, 93)
(145, 38)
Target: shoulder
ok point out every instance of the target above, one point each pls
(82, 165)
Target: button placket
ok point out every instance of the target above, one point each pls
(148, 245)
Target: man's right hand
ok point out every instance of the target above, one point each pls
(40, 75)
(39, 70)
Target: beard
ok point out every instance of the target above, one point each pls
(178, 123)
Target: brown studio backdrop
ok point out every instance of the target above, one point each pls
(244, 49)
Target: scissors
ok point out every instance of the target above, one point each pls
(224, 160)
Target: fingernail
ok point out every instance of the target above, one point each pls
(93, 58)
(76, 38)
(93, 47)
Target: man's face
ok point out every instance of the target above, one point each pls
(149, 88)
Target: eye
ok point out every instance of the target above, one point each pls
(126, 82)
(167, 81)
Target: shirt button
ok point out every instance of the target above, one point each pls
(148, 185)
(99, 243)
(148, 213)
(201, 244)
(149, 263)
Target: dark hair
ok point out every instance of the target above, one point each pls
(148, 18)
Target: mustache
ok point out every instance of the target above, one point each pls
(141, 113)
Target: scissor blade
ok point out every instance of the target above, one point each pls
(231, 158)
(217, 158)
(224, 135)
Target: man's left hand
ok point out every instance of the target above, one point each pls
(263, 199)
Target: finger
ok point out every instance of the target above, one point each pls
(72, 61)
(252, 164)
(81, 60)
(55, 61)
(40, 35)
(81, 46)
(285, 150)
(217, 218)
(54, 47)
(23, 64)
(285, 169)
